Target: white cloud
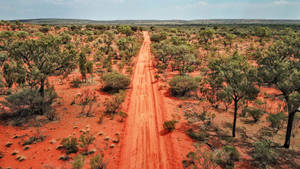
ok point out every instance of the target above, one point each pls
(192, 5)
(285, 2)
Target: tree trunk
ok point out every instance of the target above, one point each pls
(289, 129)
(235, 116)
(42, 93)
(42, 88)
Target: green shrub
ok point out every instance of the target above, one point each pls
(44, 29)
(264, 154)
(112, 105)
(115, 81)
(255, 113)
(170, 125)
(89, 67)
(199, 136)
(70, 145)
(158, 37)
(276, 120)
(76, 83)
(78, 162)
(28, 102)
(182, 85)
(97, 162)
(227, 156)
(85, 140)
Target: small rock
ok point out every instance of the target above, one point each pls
(8, 168)
(106, 138)
(112, 146)
(26, 147)
(117, 134)
(1, 156)
(74, 133)
(21, 158)
(53, 141)
(15, 137)
(116, 141)
(100, 133)
(88, 126)
(75, 127)
(8, 144)
(15, 152)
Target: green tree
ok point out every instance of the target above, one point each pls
(125, 29)
(41, 58)
(206, 35)
(82, 65)
(281, 68)
(233, 78)
(182, 85)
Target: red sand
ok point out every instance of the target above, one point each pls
(143, 146)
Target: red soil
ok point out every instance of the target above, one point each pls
(44, 154)
(143, 146)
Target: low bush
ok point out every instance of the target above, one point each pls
(182, 85)
(158, 37)
(97, 162)
(113, 82)
(112, 105)
(78, 162)
(28, 102)
(76, 83)
(264, 154)
(85, 140)
(70, 145)
(255, 113)
(276, 120)
(227, 156)
(170, 125)
(199, 136)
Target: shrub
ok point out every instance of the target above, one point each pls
(199, 136)
(28, 102)
(263, 153)
(227, 156)
(44, 29)
(112, 105)
(97, 162)
(78, 162)
(89, 66)
(276, 120)
(182, 85)
(170, 125)
(70, 145)
(115, 81)
(87, 99)
(255, 113)
(85, 140)
(158, 37)
(76, 83)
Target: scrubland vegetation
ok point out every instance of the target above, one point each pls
(230, 69)
(234, 90)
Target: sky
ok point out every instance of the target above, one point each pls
(150, 9)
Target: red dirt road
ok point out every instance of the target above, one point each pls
(143, 146)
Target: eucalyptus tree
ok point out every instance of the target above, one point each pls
(37, 59)
(232, 78)
(280, 67)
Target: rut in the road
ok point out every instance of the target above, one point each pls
(143, 147)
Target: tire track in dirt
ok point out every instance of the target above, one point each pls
(143, 147)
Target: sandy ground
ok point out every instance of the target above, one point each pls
(143, 145)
